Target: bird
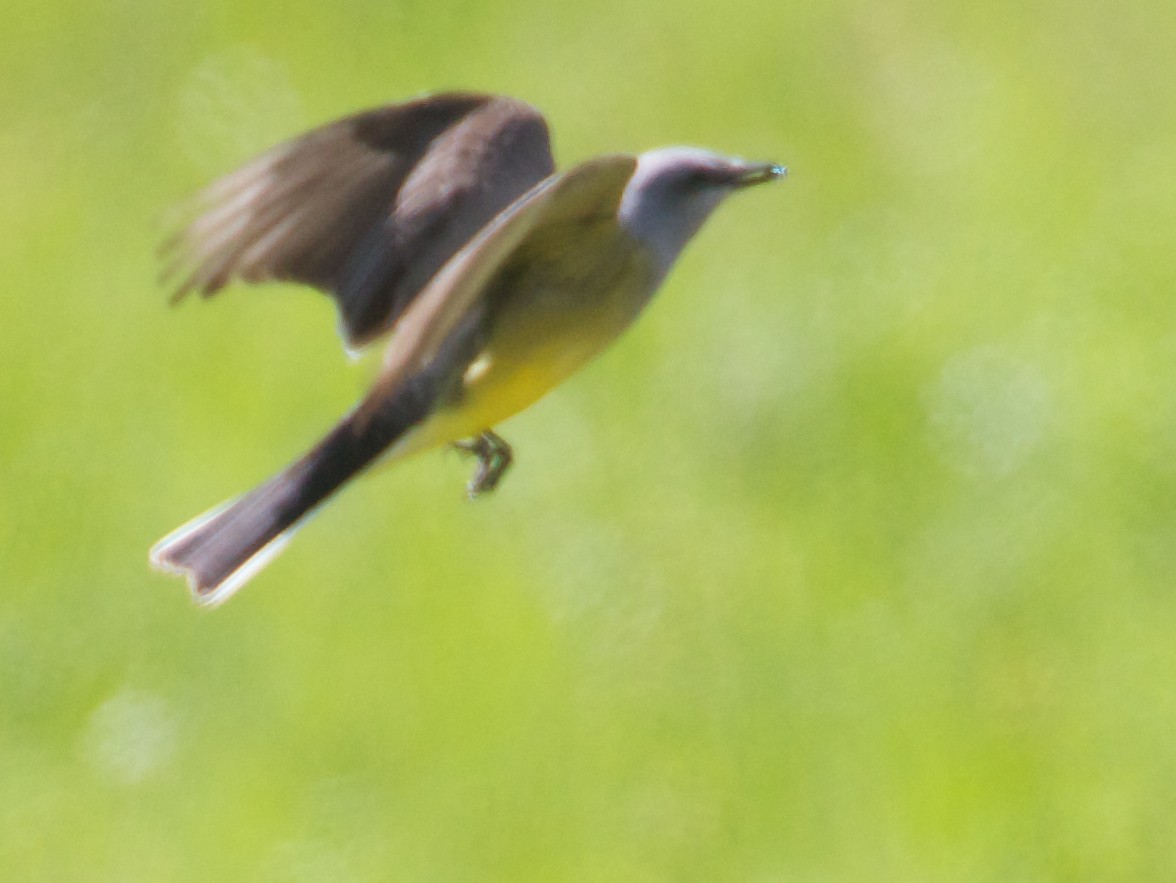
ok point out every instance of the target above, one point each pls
(441, 228)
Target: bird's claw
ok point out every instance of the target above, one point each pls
(494, 458)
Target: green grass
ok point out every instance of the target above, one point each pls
(853, 561)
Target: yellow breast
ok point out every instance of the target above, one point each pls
(546, 318)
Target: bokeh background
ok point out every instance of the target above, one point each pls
(855, 560)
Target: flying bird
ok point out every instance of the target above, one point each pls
(440, 226)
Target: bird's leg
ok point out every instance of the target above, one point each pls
(494, 457)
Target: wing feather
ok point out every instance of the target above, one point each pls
(366, 208)
(437, 323)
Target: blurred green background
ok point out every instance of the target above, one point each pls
(854, 560)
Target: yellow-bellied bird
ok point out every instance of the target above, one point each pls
(441, 225)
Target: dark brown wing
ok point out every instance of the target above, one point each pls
(443, 320)
(366, 208)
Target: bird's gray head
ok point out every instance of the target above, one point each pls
(674, 190)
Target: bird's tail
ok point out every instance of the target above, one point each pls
(221, 550)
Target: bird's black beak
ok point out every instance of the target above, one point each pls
(759, 173)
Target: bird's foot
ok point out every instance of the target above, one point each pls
(494, 458)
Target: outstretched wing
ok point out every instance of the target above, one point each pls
(366, 208)
(445, 323)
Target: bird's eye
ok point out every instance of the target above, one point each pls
(698, 179)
